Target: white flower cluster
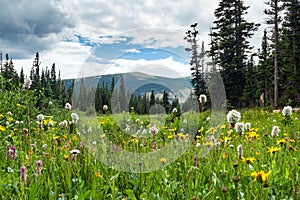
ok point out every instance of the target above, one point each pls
(233, 116)
(202, 98)
(239, 127)
(287, 111)
(275, 131)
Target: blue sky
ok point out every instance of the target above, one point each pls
(96, 37)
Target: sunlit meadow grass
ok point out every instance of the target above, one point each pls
(61, 157)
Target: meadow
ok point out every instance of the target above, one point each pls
(58, 152)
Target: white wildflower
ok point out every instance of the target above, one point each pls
(75, 118)
(240, 151)
(239, 128)
(68, 106)
(202, 98)
(248, 126)
(40, 117)
(27, 84)
(105, 108)
(287, 111)
(275, 131)
(233, 116)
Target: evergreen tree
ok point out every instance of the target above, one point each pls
(274, 19)
(165, 102)
(265, 72)
(152, 98)
(197, 61)
(53, 80)
(290, 44)
(35, 73)
(250, 97)
(9, 73)
(231, 47)
(22, 77)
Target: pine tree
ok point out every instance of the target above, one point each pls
(9, 73)
(22, 77)
(290, 45)
(165, 102)
(265, 72)
(53, 80)
(231, 47)
(250, 97)
(197, 61)
(152, 98)
(274, 19)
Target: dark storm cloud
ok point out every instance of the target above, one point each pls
(29, 26)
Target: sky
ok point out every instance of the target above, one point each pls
(95, 37)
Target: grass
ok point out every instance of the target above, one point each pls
(188, 162)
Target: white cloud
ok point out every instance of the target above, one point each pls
(150, 23)
(131, 51)
(68, 57)
(167, 67)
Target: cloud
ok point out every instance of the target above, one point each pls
(131, 51)
(68, 57)
(167, 67)
(69, 32)
(29, 26)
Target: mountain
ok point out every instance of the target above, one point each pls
(140, 83)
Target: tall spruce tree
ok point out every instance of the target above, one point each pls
(197, 61)
(290, 45)
(265, 72)
(274, 19)
(230, 49)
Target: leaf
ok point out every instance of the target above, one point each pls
(114, 177)
(131, 194)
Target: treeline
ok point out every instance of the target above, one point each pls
(272, 81)
(117, 99)
(46, 83)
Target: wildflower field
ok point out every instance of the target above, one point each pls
(58, 152)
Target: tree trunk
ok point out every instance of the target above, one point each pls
(276, 56)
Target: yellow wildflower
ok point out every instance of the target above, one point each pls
(280, 142)
(170, 136)
(74, 138)
(253, 134)
(135, 140)
(102, 136)
(10, 119)
(163, 160)
(201, 130)
(101, 123)
(181, 135)
(2, 128)
(56, 137)
(209, 143)
(212, 130)
(273, 149)
(18, 105)
(260, 176)
(98, 175)
(66, 156)
(247, 160)
(223, 126)
(227, 138)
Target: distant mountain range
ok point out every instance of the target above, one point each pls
(140, 83)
